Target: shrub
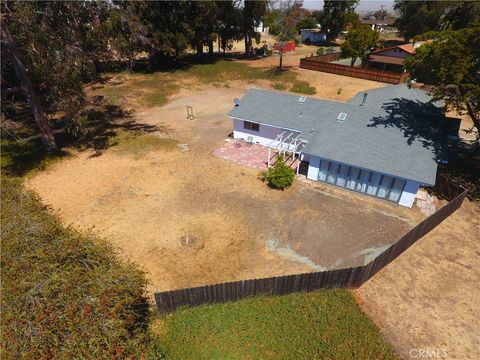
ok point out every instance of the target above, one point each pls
(302, 87)
(320, 51)
(279, 176)
(64, 293)
(279, 86)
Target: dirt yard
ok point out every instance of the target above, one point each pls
(190, 218)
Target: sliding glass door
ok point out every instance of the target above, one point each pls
(364, 181)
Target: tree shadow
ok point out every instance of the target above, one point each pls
(427, 124)
(101, 126)
(463, 170)
(419, 122)
(167, 64)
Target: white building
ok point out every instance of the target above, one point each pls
(377, 144)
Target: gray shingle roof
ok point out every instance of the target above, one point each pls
(390, 138)
(377, 97)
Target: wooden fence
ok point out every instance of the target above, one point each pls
(168, 301)
(327, 57)
(319, 63)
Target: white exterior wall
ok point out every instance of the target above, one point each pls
(264, 136)
(399, 53)
(409, 193)
(407, 196)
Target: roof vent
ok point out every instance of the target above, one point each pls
(302, 99)
(236, 101)
(341, 117)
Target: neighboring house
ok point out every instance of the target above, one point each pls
(378, 144)
(390, 58)
(380, 24)
(313, 36)
(260, 28)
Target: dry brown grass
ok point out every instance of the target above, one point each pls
(427, 298)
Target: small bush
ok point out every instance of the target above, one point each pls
(279, 176)
(279, 86)
(320, 51)
(303, 87)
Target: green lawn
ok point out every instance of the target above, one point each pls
(322, 324)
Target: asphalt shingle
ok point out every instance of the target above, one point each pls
(391, 136)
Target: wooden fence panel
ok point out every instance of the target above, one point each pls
(168, 301)
(326, 57)
(316, 63)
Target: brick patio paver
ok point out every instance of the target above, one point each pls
(251, 155)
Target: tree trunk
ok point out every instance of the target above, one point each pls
(27, 88)
(471, 111)
(475, 119)
(200, 49)
(210, 47)
(281, 59)
(352, 61)
(247, 48)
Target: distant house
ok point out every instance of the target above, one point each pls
(390, 58)
(379, 24)
(377, 144)
(312, 36)
(260, 27)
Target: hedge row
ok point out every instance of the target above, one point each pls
(64, 294)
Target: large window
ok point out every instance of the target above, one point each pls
(396, 190)
(372, 187)
(368, 182)
(322, 174)
(384, 186)
(251, 126)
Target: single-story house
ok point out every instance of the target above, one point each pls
(390, 58)
(377, 143)
(380, 24)
(313, 36)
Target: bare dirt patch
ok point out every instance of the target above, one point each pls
(428, 297)
(190, 218)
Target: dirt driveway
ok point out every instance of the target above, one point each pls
(189, 218)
